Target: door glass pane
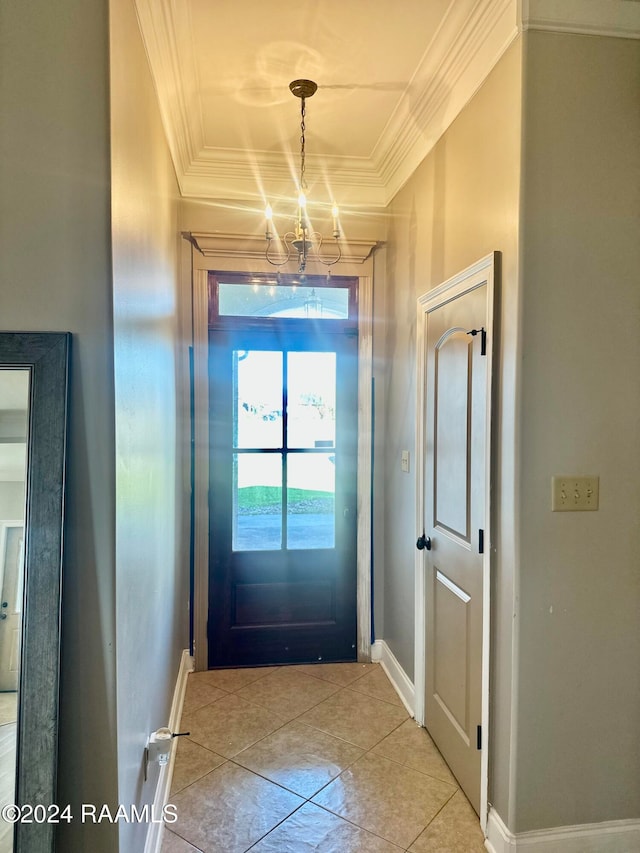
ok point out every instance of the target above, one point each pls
(257, 392)
(311, 487)
(257, 501)
(311, 399)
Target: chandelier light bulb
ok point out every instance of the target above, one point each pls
(335, 213)
(268, 212)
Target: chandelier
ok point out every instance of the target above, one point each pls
(301, 242)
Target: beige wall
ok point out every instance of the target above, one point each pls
(571, 580)
(579, 674)
(55, 274)
(564, 748)
(461, 204)
(152, 553)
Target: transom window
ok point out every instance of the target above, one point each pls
(258, 297)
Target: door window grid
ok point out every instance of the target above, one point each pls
(283, 493)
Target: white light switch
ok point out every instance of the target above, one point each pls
(574, 494)
(404, 462)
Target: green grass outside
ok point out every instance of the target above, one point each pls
(256, 500)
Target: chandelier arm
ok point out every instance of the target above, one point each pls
(273, 263)
(319, 238)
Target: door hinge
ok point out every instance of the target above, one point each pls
(480, 541)
(479, 737)
(483, 338)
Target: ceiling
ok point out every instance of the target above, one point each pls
(391, 75)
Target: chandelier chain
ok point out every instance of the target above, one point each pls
(303, 111)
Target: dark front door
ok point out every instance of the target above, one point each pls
(283, 438)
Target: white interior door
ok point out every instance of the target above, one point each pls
(11, 586)
(454, 539)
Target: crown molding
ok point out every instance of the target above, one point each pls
(220, 245)
(617, 18)
(472, 37)
(470, 40)
(204, 172)
(235, 183)
(226, 173)
(164, 25)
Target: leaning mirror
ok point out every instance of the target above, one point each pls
(33, 405)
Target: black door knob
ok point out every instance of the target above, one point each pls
(423, 542)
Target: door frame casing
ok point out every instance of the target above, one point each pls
(200, 277)
(483, 272)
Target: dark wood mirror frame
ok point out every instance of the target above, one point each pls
(46, 356)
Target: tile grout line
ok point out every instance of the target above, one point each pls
(279, 728)
(362, 828)
(309, 725)
(379, 698)
(366, 751)
(434, 817)
(182, 838)
(306, 710)
(310, 800)
(273, 828)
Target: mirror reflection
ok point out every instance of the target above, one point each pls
(14, 400)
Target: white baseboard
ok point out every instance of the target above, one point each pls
(381, 652)
(617, 836)
(156, 829)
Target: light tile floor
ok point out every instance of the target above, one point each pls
(320, 757)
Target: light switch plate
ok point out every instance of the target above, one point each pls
(404, 461)
(571, 493)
